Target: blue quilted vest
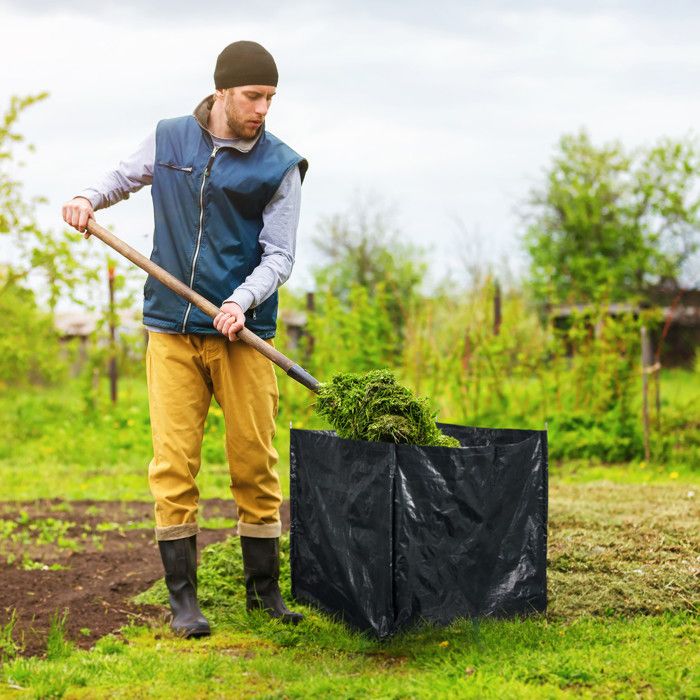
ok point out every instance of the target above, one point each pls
(208, 205)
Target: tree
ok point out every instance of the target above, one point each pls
(361, 248)
(62, 265)
(39, 258)
(29, 343)
(608, 222)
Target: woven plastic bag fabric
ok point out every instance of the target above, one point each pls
(385, 536)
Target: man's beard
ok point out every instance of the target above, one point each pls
(240, 128)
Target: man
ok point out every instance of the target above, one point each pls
(226, 198)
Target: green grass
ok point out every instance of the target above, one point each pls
(57, 447)
(59, 443)
(623, 621)
(585, 471)
(57, 646)
(623, 658)
(9, 646)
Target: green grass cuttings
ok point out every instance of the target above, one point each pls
(373, 406)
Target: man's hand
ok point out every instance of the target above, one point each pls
(77, 212)
(230, 320)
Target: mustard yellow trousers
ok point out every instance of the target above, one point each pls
(183, 373)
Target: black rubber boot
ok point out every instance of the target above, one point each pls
(180, 564)
(261, 565)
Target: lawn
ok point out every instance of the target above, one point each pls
(624, 586)
(61, 442)
(622, 622)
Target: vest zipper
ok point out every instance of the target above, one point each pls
(205, 175)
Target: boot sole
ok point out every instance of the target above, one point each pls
(197, 635)
(287, 620)
(192, 634)
(291, 620)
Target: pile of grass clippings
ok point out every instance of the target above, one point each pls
(375, 407)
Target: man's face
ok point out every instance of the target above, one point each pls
(246, 107)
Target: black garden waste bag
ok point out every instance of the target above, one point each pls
(387, 535)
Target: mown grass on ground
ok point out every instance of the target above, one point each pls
(623, 622)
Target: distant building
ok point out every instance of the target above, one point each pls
(294, 326)
(81, 324)
(76, 327)
(678, 331)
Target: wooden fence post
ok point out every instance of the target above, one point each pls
(647, 365)
(657, 386)
(310, 307)
(112, 335)
(496, 307)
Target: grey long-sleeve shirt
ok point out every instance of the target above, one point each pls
(280, 216)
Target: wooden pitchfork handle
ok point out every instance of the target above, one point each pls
(294, 370)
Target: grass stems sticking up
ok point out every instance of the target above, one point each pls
(373, 406)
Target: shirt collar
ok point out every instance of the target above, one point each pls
(201, 114)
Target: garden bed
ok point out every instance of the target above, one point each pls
(85, 559)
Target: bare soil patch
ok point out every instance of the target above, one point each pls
(87, 559)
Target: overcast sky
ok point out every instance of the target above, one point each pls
(448, 111)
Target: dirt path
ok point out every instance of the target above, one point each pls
(86, 559)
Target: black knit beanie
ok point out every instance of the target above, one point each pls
(244, 63)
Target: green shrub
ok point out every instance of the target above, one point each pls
(30, 351)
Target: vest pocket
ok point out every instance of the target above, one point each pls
(175, 166)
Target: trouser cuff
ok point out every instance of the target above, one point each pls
(265, 530)
(176, 532)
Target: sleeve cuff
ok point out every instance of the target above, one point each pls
(243, 297)
(92, 197)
